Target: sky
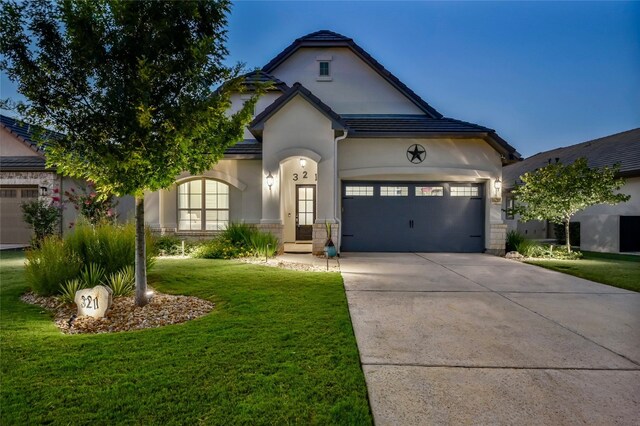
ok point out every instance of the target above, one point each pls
(542, 74)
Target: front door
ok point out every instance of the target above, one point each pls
(305, 211)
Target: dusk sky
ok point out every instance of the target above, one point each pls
(542, 74)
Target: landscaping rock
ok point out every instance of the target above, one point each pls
(94, 302)
(124, 315)
(514, 255)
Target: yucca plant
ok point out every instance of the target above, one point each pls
(92, 275)
(123, 282)
(69, 289)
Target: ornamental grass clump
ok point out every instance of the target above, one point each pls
(514, 238)
(50, 265)
(263, 244)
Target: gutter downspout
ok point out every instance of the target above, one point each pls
(336, 188)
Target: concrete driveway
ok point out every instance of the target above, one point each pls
(477, 339)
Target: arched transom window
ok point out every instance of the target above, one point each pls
(203, 205)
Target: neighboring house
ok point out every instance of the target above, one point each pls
(603, 227)
(24, 177)
(340, 139)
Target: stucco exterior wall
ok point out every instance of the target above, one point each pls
(354, 88)
(10, 146)
(237, 100)
(298, 129)
(245, 185)
(462, 160)
(600, 224)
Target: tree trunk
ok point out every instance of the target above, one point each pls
(141, 258)
(566, 232)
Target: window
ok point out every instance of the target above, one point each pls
(510, 205)
(203, 205)
(30, 193)
(429, 191)
(358, 191)
(324, 69)
(8, 193)
(394, 191)
(464, 191)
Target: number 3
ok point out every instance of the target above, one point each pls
(295, 177)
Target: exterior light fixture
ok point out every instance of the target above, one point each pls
(43, 191)
(269, 180)
(303, 162)
(497, 185)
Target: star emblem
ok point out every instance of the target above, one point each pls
(416, 153)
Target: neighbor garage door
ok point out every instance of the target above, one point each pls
(414, 216)
(13, 229)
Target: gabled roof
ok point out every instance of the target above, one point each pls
(622, 148)
(326, 38)
(22, 131)
(261, 77)
(416, 126)
(257, 125)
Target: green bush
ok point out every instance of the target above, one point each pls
(92, 275)
(50, 265)
(110, 247)
(43, 217)
(221, 248)
(69, 289)
(513, 239)
(529, 248)
(574, 233)
(239, 233)
(122, 283)
(167, 245)
(263, 244)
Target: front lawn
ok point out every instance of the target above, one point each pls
(618, 270)
(277, 349)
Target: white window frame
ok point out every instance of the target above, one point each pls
(319, 60)
(204, 209)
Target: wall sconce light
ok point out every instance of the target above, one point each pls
(43, 191)
(303, 162)
(269, 180)
(497, 185)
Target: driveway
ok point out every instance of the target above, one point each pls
(478, 339)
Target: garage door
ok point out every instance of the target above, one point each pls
(412, 216)
(13, 229)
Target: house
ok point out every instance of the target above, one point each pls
(25, 177)
(339, 139)
(603, 228)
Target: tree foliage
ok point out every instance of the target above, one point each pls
(557, 191)
(134, 87)
(130, 85)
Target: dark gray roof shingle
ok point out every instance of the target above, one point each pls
(248, 148)
(325, 38)
(20, 129)
(22, 163)
(251, 78)
(411, 124)
(622, 148)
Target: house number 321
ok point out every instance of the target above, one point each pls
(305, 175)
(89, 302)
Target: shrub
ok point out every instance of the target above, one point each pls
(529, 248)
(92, 207)
(111, 246)
(239, 233)
(92, 275)
(513, 239)
(43, 217)
(50, 265)
(168, 245)
(69, 289)
(123, 282)
(263, 244)
(221, 248)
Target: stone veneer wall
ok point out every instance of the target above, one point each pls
(46, 179)
(277, 230)
(497, 239)
(319, 237)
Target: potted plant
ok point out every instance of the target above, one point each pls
(329, 248)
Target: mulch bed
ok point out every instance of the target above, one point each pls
(124, 315)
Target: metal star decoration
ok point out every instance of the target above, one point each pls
(416, 153)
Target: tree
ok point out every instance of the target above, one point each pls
(131, 85)
(556, 192)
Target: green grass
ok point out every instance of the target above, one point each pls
(278, 349)
(617, 270)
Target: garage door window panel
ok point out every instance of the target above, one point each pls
(464, 191)
(358, 191)
(429, 191)
(394, 191)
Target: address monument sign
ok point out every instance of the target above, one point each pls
(94, 302)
